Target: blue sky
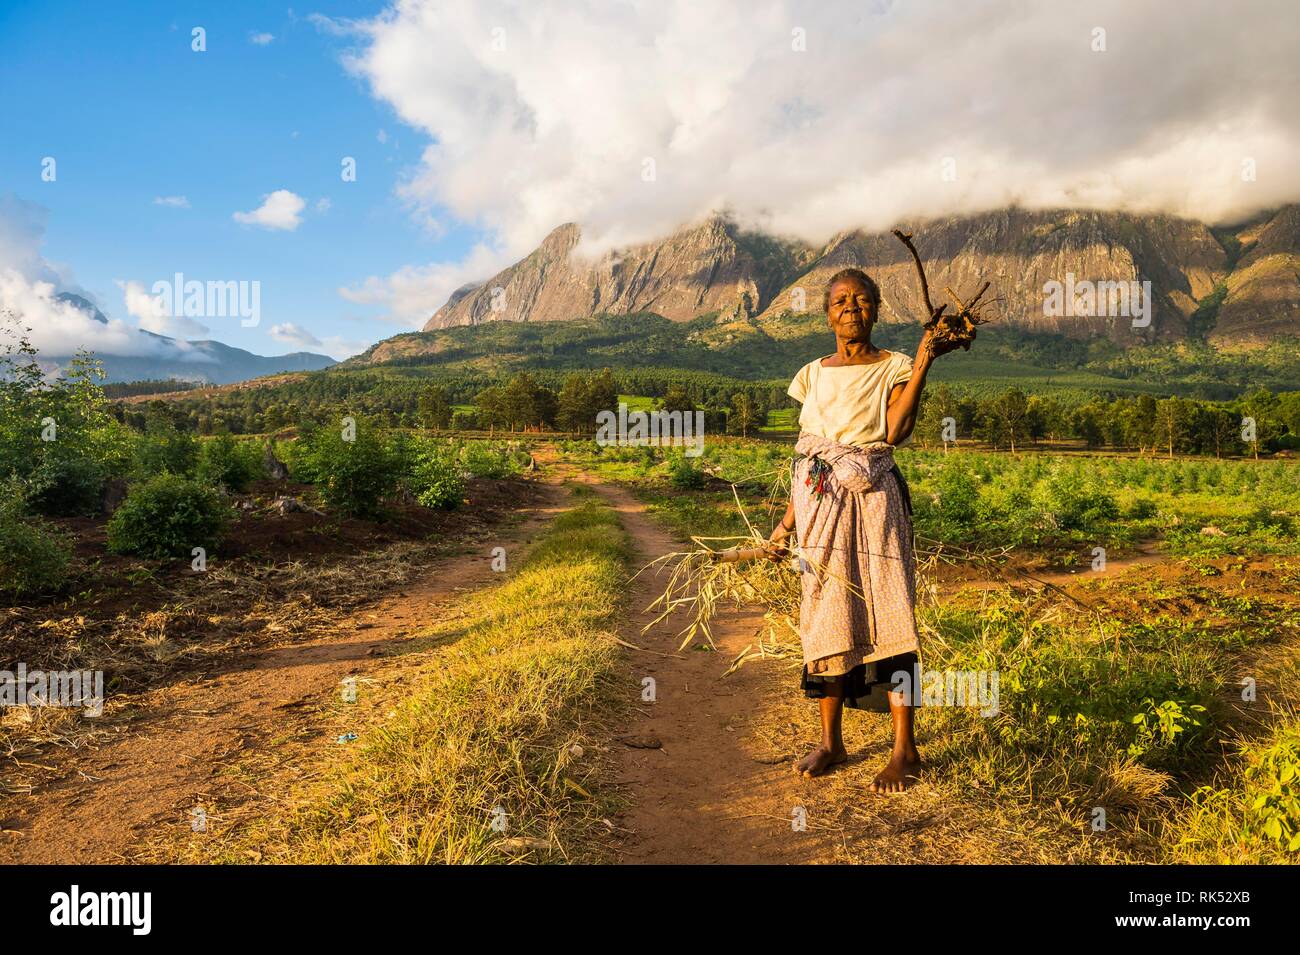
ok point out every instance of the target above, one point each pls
(131, 114)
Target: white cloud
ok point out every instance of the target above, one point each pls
(30, 288)
(59, 327)
(281, 209)
(412, 293)
(173, 202)
(537, 116)
(333, 26)
(323, 205)
(151, 315)
(295, 335)
(260, 39)
(298, 337)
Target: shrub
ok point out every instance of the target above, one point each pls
(33, 556)
(56, 436)
(1142, 509)
(683, 474)
(67, 481)
(164, 447)
(1074, 505)
(352, 476)
(231, 464)
(168, 516)
(434, 476)
(485, 461)
(959, 494)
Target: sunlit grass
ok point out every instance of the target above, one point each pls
(492, 755)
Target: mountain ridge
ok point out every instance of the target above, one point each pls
(204, 360)
(1246, 293)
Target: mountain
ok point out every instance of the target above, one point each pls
(1231, 286)
(1262, 300)
(208, 361)
(707, 268)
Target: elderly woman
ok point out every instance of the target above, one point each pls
(851, 513)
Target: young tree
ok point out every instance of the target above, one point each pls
(1005, 420)
(1172, 422)
(435, 407)
(745, 413)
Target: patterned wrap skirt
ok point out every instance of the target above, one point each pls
(857, 621)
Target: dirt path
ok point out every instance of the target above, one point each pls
(710, 793)
(167, 755)
(721, 789)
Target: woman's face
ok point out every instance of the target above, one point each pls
(852, 312)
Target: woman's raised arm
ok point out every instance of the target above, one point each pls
(905, 399)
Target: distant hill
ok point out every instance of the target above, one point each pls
(1002, 356)
(205, 361)
(1228, 286)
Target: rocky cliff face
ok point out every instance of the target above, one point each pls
(1020, 253)
(716, 268)
(706, 268)
(1263, 290)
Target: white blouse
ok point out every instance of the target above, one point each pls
(846, 403)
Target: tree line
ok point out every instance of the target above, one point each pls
(1257, 422)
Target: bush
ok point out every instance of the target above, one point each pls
(231, 464)
(352, 476)
(683, 474)
(483, 460)
(1073, 505)
(168, 516)
(164, 447)
(67, 482)
(33, 556)
(1142, 509)
(959, 495)
(434, 476)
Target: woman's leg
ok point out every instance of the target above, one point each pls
(900, 772)
(831, 749)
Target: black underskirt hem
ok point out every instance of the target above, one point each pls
(861, 692)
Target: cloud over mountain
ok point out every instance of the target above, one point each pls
(807, 119)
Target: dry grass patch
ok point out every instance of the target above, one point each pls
(489, 752)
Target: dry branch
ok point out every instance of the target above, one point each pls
(957, 328)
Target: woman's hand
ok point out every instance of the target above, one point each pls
(933, 348)
(776, 549)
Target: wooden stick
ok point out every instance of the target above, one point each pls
(738, 554)
(906, 239)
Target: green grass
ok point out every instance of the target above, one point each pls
(1255, 816)
(499, 726)
(637, 402)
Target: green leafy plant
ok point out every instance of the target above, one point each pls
(435, 476)
(352, 466)
(684, 474)
(232, 464)
(33, 556)
(168, 516)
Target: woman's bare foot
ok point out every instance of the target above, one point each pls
(899, 773)
(820, 760)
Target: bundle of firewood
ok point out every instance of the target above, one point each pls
(956, 327)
